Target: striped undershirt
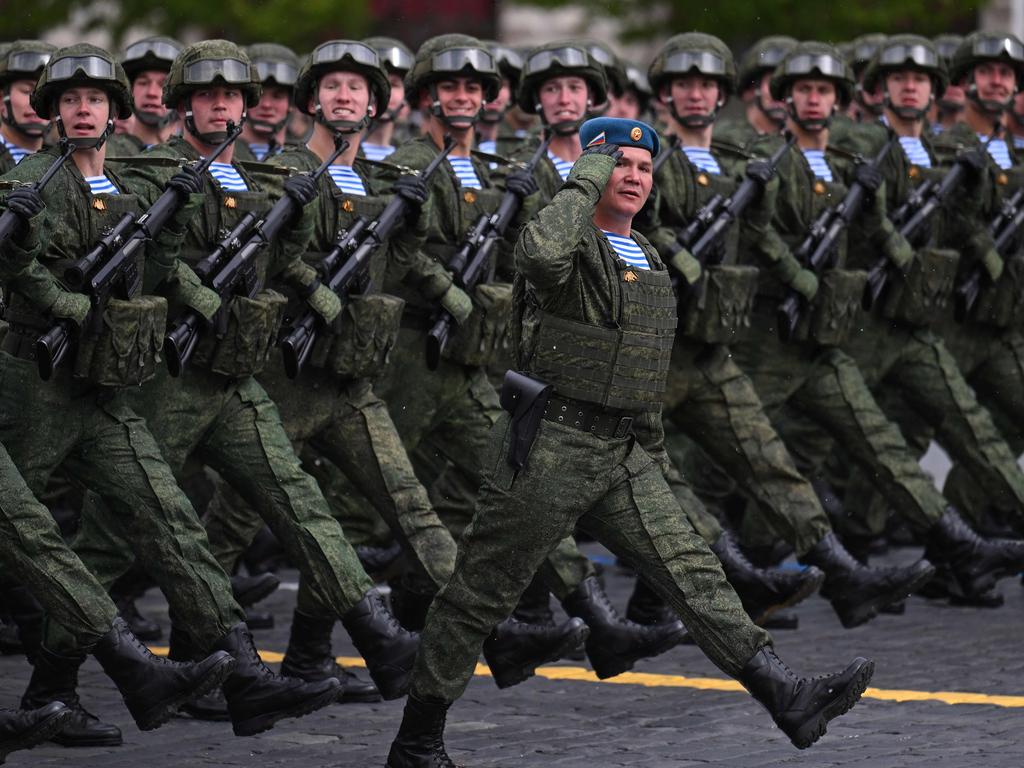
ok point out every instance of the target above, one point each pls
(562, 166)
(819, 166)
(914, 149)
(260, 151)
(101, 185)
(1018, 142)
(465, 172)
(703, 159)
(376, 151)
(347, 180)
(17, 153)
(228, 177)
(627, 250)
(999, 152)
(490, 146)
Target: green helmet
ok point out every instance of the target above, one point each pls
(901, 52)
(946, 45)
(980, 47)
(509, 61)
(207, 62)
(23, 60)
(813, 60)
(614, 71)
(861, 50)
(276, 64)
(763, 57)
(150, 54)
(395, 55)
(638, 84)
(342, 56)
(82, 65)
(694, 53)
(562, 59)
(447, 56)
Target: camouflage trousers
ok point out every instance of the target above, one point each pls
(347, 424)
(34, 554)
(104, 445)
(713, 402)
(614, 490)
(234, 428)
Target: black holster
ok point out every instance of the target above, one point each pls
(525, 399)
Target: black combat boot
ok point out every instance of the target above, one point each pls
(257, 698)
(27, 615)
(975, 564)
(376, 560)
(124, 592)
(420, 739)
(515, 649)
(249, 590)
(764, 591)
(25, 729)
(409, 606)
(211, 707)
(389, 649)
(534, 606)
(856, 591)
(55, 678)
(646, 606)
(802, 706)
(309, 657)
(614, 644)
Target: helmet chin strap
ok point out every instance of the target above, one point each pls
(694, 121)
(775, 114)
(94, 142)
(458, 121)
(811, 126)
(872, 109)
(340, 126)
(908, 113)
(155, 121)
(30, 130)
(210, 137)
(991, 106)
(565, 127)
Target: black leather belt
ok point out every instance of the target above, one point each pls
(588, 417)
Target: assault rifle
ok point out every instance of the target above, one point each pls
(230, 270)
(816, 250)
(345, 267)
(10, 222)
(469, 265)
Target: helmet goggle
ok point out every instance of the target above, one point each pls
(994, 47)
(280, 72)
(824, 64)
(921, 55)
(604, 58)
(27, 61)
(638, 80)
(457, 59)
(158, 49)
(705, 62)
(947, 48)
(508, 56)
(93, 67)
(396, 58)
(206, 71)
(864, 51)
(568, 57)
(770, 57)
(330, 53)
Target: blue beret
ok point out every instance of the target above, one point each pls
(619, 130)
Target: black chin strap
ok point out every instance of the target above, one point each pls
(30, 130)
(84, 143)
(811, 126)
(695, 121)
(908, 113)
(460, 122)
(339, 126)
(775, 114)
(155, 121)
(213, 138)
(990, 106)
(564, 128)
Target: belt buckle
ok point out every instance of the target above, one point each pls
(623, 427)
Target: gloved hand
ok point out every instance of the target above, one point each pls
(974, 158)
(325, 302)
(611, 150)
(760, 171)
(457, 303)
(25, 202)
(869, 177)
(71, 306)
(686, 265)
(411, 188)
(805, 283)
(187, 181)
(993, 264)
(301, 188)
(521, 183)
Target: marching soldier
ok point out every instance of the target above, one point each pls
(22, 129)
(146, 62)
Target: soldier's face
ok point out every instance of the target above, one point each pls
(148, 92)
(273, 106)
(503, 100)
(397, 100)
(84, 112)
(343, 96)
(909, 88)
(630, 184)
(627, 106)
(213, 108)
(563, 99)
(459, 96)
(813, 99)
(765, 91)
(694, 95)
(20, 91)
(995, 81)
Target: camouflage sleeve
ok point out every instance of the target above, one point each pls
(546, 247)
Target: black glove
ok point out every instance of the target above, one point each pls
(301, 188)
(187, 181)
(974, 159)
(412, 189)
(521, 183)
(760, 171)
(612, 150)
(25, 202)
(869, 177)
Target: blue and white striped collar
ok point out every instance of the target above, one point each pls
(627, 249)
(703, 159)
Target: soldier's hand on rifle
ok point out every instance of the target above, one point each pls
(993, 264)
(456, 302)
(26, 203)
(301, 188)
(760, 171)
(324, 302)
(412, 189)
(521, 183)
(974, 158)
(686, 265)
(71, 306)
(805, 283)
(187, 181)
(869, 177)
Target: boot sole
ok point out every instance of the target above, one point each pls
(865, 612)
(813, 730)
(37, 734)
(808, 588)
(160, 714)
(266, 721)
(610, 665)
(515, 675)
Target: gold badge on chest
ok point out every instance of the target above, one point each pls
(1002, 179)
(703, 180)
(469, 196)
(347, 206)
(820, 188)
(630, 276)
(230, 202)
(914, 172)
(99, 204)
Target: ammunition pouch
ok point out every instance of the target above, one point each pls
(524, 399)
(920, 296)
(718, 310)
(835, 309)
(358, 342)
(125, 351)
(485, 335)
(253, 325)
(1000, 303)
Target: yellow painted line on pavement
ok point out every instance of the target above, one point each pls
(648, 680)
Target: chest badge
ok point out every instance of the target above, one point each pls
(820, 188)
(230, 202)
(469, 196)
(347, 206)
(1002, 179)
(703, 180)
(630, 276)
(99, 204)
(914, 172)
